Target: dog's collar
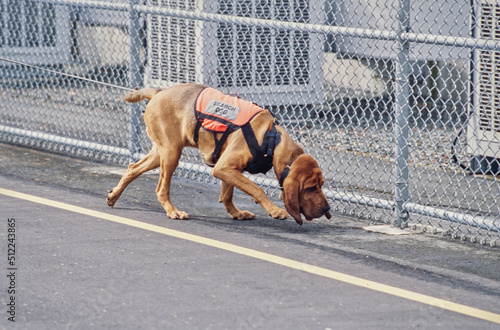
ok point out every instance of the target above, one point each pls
(284, 175)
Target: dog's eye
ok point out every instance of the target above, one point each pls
(311, 189)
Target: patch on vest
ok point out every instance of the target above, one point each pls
(222, 109)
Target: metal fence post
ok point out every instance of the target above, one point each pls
(401, 116)
(135, 78)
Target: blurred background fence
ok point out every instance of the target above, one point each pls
(398, 100)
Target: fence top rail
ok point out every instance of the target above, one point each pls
(423, 38)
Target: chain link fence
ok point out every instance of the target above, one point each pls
(398, 100)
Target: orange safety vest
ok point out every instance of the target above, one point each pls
(221, 113)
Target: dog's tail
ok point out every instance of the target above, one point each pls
(140, 94)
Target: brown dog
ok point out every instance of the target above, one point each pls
(171, 124)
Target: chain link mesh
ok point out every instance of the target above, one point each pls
(397, 100)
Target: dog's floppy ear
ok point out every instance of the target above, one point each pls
(291, 198)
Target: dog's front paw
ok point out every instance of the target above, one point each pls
(178, 215)
(278, 213)
(111, 199)
(243, 215)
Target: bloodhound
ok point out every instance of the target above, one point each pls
(172, 124)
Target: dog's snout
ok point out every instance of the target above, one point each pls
(326, 208)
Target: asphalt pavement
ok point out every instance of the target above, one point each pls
(71, 262)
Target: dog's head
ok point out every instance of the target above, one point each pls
(302, 191)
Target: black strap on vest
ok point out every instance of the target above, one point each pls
(220, 143)
(199, 121)
(197, 130)
(262, 155)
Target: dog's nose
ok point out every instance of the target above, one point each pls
(326, 208)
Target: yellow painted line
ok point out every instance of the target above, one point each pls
(360, 282)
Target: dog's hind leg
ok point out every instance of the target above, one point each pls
(149, 162)
(169, 159)
(226, 197)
